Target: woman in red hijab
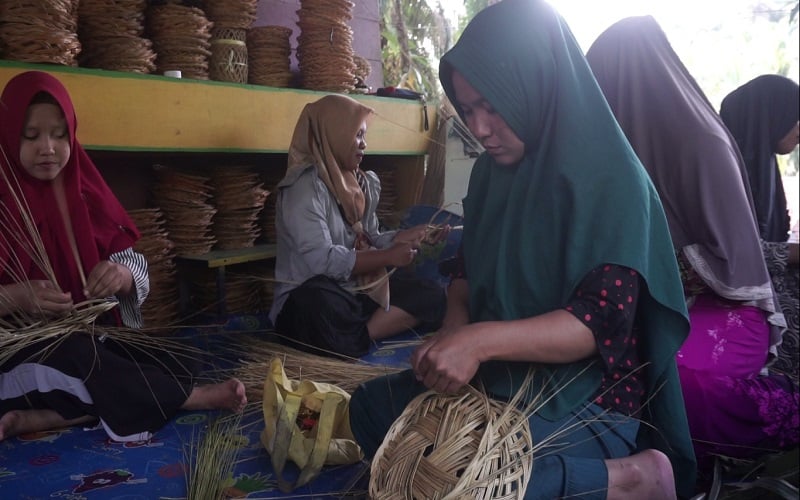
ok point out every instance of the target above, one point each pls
(66, 239)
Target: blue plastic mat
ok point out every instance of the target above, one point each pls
(79, 463)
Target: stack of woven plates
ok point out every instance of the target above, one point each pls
(184, 198)
(268, 53)
(325, 45)
(110, 32)
(161, 307)
(180, 37)
(239, 198)
(40, 32)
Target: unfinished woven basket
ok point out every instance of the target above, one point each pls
(453, 447)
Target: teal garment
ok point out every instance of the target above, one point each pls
(579, 198)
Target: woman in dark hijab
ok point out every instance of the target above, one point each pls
(695, 165)
(763, 115)
(567, 269)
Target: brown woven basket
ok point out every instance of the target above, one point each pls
(454, 447)
(228, 61)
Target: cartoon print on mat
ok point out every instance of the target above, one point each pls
(245, 484)
(43, 436)
(5, 472)
(104, 479)
(151, 443)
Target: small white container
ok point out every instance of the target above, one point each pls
(175, 73)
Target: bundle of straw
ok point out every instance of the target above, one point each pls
(256, 356)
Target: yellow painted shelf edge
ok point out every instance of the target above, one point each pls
(122, 111)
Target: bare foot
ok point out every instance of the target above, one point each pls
(16, 422)
(228, 395)
(647, 474)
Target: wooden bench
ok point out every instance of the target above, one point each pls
(219, 260)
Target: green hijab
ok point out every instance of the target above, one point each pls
(578, 199)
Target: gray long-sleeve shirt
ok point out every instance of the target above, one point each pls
(313, 237)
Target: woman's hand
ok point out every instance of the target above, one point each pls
(401, 253)
(35, 297)
(413, 235)
(107, 279)
(448, 360)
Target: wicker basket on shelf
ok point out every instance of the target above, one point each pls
(454, 446)
(228, 62)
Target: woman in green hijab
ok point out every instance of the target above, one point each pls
(566, 268)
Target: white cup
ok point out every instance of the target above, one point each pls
(175, 73)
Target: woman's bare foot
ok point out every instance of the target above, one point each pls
(16, 422)
(228, 395)
(647, 474)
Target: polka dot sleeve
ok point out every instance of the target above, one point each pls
(606, 302)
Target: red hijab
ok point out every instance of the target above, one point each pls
(100, 224)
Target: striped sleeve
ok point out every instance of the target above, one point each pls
(131, 305)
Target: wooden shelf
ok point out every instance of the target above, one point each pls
(121, 111)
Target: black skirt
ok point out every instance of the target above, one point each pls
(321, 317)
(129, 389)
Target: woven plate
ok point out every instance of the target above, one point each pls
(454, 446)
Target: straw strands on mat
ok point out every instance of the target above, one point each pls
(256, 356)
(211, 460)
(325, 45)
(458, 446)
(40, 32)
(111, 32)
(268, 53)
(180, 37)
(161, 307)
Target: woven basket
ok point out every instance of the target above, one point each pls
(228, 61)
(454, 446)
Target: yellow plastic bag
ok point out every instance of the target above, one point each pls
(305, 422)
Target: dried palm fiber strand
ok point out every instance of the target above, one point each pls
(239, 197)
(268, 53)
(325, 45)
(463, 445)
(180, 36)
(256, 354)
(211, 457)
(228, 61)
(235, 14)
(160, 310)
(184, 199)
(271, 179)
(111, 33)
(40, 32)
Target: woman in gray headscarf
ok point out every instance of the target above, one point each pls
(695, 165)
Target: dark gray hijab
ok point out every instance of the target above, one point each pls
(691, 157)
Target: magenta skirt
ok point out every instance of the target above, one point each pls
(726, 338)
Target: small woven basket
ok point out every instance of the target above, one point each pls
(454, 447)
(228, 61)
